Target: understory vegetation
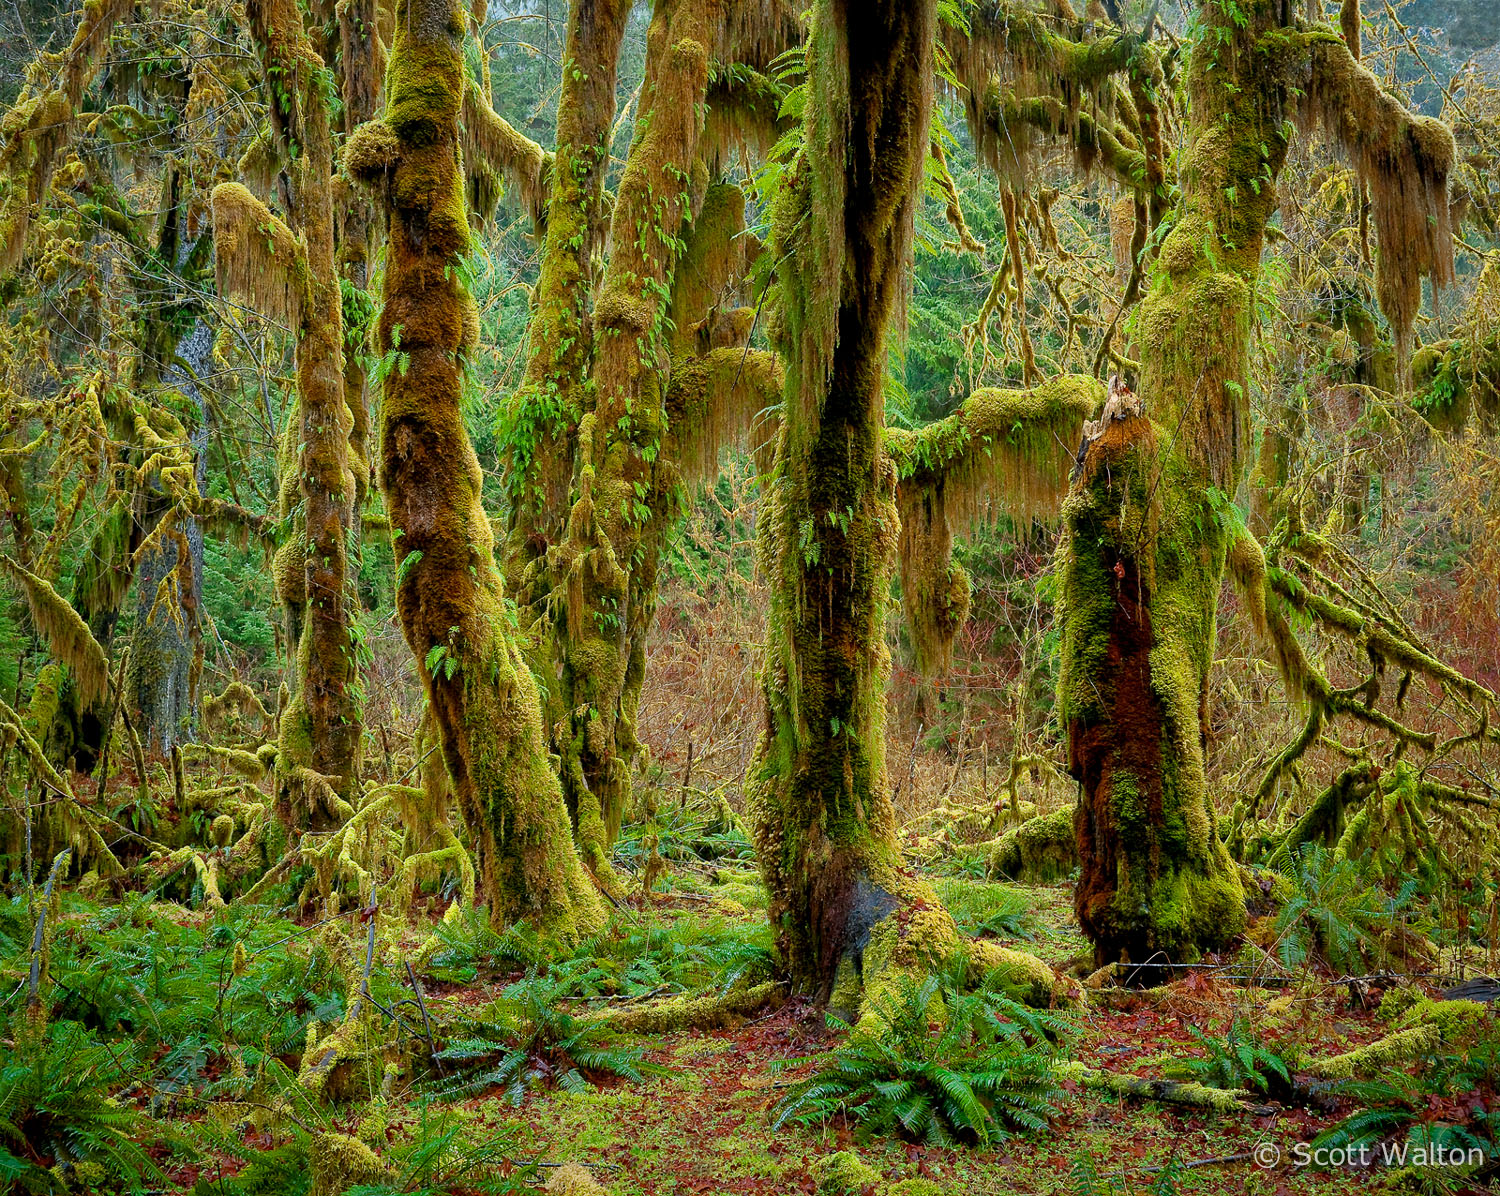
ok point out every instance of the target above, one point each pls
(729, 596)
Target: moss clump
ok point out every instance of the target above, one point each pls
(1018, 974)
(372, 151)
(573, 1179)
(338, 1162)
(1041, 849)
(843, 1174)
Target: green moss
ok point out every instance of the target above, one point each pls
(1041, 849)
(338, 1162)
(709, 1012)
(573, 1179)
(1370, 1060)
(843, 1174)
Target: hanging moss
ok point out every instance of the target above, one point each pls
(1404, 160)
(491, 141)
(67, 635)
(851, 920)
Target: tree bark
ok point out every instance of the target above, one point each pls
(449, 592)
(842, 231)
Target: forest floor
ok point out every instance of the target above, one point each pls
(704, 1127)
(700, 1120)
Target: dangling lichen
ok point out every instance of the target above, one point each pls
(36, 128)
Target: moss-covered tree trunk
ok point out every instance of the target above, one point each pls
(291, 271)
(1148, 530)
(359, 56)
(594, 463)
(449, 593)
(842, 901)
(1150, 520)
(598, 567)
(552, 398)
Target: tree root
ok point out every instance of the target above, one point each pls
(1170, 1092)
(691, 1013)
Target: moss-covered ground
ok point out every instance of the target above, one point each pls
(202, 1020)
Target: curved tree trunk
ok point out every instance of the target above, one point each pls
(449, 592)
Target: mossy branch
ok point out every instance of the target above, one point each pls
(1002, 450)
(1171, 1092)
(714, 401)
(490, 140)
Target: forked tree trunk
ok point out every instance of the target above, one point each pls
(449, 593)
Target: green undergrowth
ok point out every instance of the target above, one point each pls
(530, 1038)
(193, 997)
(953, 1066)
(656, 951)
(1034, 918)
(683, 833)
(979, 908)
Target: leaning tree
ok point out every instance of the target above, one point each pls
(449, 595)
